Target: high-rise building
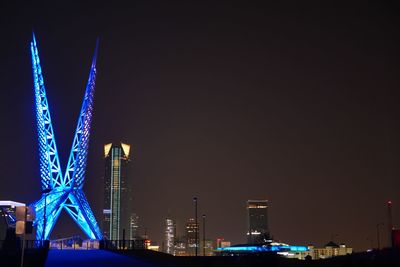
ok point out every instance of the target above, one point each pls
(222, 243)
(180, 247)
(134, 227)
(192, 229)
(330, 250)
(257, 221)
(169, 237)
(207, 246)
(117, 213)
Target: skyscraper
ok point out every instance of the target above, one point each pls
(134, 229)
(257, 221)
(192, 229)
(169, 237)
(117, 212)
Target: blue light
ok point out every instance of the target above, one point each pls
(270, 248)
(250, 248)
(298, 248)
(65, 190)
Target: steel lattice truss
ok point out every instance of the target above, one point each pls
(65, 190)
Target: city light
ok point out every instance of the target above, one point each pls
(272, 248)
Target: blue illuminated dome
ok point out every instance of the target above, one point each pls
(269, 247)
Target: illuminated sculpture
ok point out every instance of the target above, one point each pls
(62, 191)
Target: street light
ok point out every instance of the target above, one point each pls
(196, 225)
(377, 234)
(204, 234)
(45, 192)
(371, 242)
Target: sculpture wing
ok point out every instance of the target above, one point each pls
(75, 172)
(50, 171)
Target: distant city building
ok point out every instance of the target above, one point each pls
(149, 245)
(153, 247)
(134, 233)
(218, 242)
(257, 221)
(8, 218)
(396, 238)
(191, 232)
(117, 212)
(222, 243)
(169, 236)
(180, 247)
(330, 250)
(208, 247)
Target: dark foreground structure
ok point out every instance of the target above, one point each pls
(386, 258)
(41, 256)
(32, 258)
(13, 252)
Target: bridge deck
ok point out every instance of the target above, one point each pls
(98, 258)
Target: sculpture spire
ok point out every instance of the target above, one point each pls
(62, 192)
(50, 170)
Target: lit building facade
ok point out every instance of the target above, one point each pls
(134, 227)
(191, 233)
(257, 221)
(207, 247)
(221, 243)
(328, 251)
(169, 236)
(8, 216)
(118, 218)
(180, 247)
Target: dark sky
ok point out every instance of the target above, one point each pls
(223, 100)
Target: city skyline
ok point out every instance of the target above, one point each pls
(224, 102)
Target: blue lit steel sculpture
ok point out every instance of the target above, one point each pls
(63, 191)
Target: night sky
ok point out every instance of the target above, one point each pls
(223, 100)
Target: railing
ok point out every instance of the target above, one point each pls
(122, 244)
(68, 244)
(74, 244)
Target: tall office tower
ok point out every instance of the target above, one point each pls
(191, 231)
(180, 246)
(117, 192)
(208, 246)
(169, 237)
(257, 221)
(134, 229)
